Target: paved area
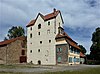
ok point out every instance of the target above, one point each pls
(49, 68)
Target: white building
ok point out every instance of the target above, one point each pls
(47, 41)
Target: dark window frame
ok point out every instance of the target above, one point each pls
(40, 42)
(48, 23)
(23, 52)
(30, 51)
(39, 26)
(38, 50)
(38, 33)
(30, 35)
(49, 41)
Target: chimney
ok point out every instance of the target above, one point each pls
(54, 10)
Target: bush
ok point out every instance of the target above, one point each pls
(93, 62)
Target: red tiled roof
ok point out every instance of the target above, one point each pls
(68, 39)
(51, 15)
(31, 23)
(45, 18)
(11, 40)
(72, 43)
(81, 54)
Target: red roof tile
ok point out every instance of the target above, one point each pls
(46, 17)
(81, 54)
(31, 23)
(68, 39)
(72, 43)
(11, 40)
(51, 15)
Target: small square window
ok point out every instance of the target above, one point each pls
(23, 52)
(49, 41)
(30, 51)
(30, 28)
(38, 50)
(40, 42)
(48, 31)
(59, 23)
(48, 23)
(31, 35)
(38, 33)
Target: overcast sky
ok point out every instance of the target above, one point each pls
(81, 17)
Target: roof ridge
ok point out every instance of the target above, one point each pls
(11, 40)
(45, 17)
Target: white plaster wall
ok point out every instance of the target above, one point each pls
(47, 53)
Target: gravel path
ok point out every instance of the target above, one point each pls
(40, 69)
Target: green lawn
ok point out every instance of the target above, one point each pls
(87, 71)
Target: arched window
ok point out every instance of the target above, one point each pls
(39, 26)
(39, 62)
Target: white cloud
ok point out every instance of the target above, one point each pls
(76, 14)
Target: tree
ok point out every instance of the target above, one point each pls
(15, 31)
(5, 39)
(83, 50)
(95, 47)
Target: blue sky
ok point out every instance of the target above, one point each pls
(81, 17)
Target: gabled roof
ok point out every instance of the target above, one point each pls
(46, 17)
(72, 43)
(68, 39)
(11, 40)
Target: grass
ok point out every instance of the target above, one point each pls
(16, 66)
(83, 71)
(88, 71)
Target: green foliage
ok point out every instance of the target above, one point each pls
(95, 47)
(5, 38)
(15, 31)
(83, 50)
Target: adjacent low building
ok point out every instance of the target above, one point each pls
(13, 51)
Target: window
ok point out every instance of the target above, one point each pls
(74, 59)
(38, 33)
(30, 51)
(75, 51)
(23, 52)
(40, 42)
(48, 31)
(39, 26)
(59, 23)
(70, 59)
(30, 28)
(31, 62)
(59, 49)
(77, 59)
(59, 59)
(48, 23)
(49, 41)
(78, 52)
(46, 59)
(31, 35)
(71, 50)
(38, 50)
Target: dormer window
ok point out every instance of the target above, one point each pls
(39, 26)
